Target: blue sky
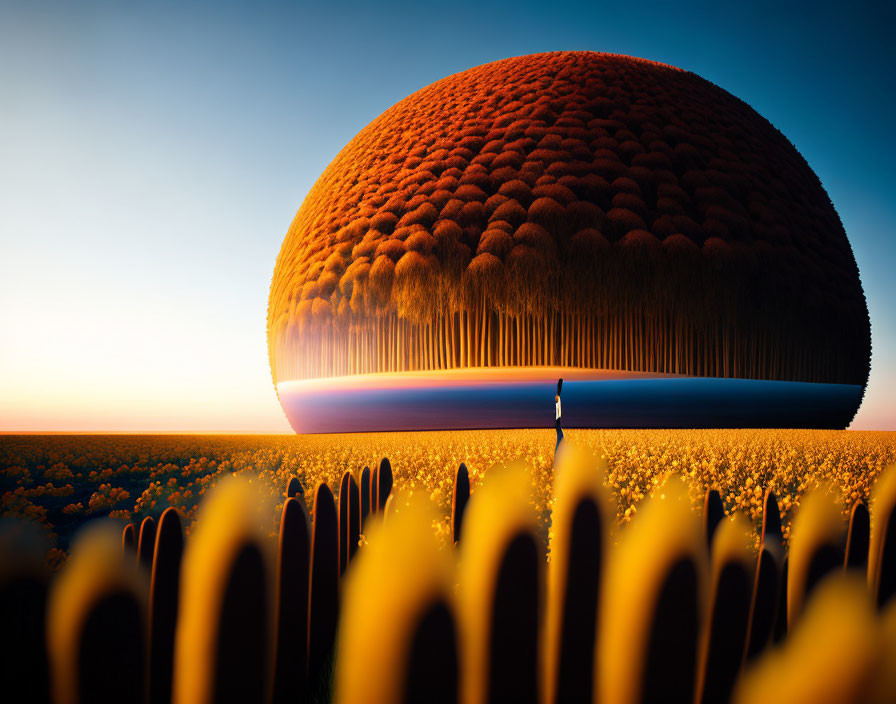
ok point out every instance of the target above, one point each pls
(153, 155)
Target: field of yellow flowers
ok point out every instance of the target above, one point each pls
(62, 481)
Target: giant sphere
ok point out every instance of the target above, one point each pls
(563, 214)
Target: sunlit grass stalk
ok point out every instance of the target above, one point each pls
(459, 497)
(344, 520)
(163, 605)
(96, 624)
(147, 542)
(397, 637)
(323, 605)
(858, 538)
(500, 592)
(291, 604)
(580, 524)
(652, 604)
(294, 488)
(129, 538)
(365, 495)
(882, 556)
(769, 594)
(815, 548)
(383, 483)
(713, 514)
(224, 632)
(354, 518)
(725, 630)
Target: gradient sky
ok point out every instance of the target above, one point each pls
(152, 157)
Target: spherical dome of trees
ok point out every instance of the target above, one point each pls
(569, 209)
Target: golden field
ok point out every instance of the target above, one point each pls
(61, 481)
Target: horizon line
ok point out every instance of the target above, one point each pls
(363, 432)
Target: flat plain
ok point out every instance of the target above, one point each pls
(62, 481)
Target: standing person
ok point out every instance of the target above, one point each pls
(557, 413)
